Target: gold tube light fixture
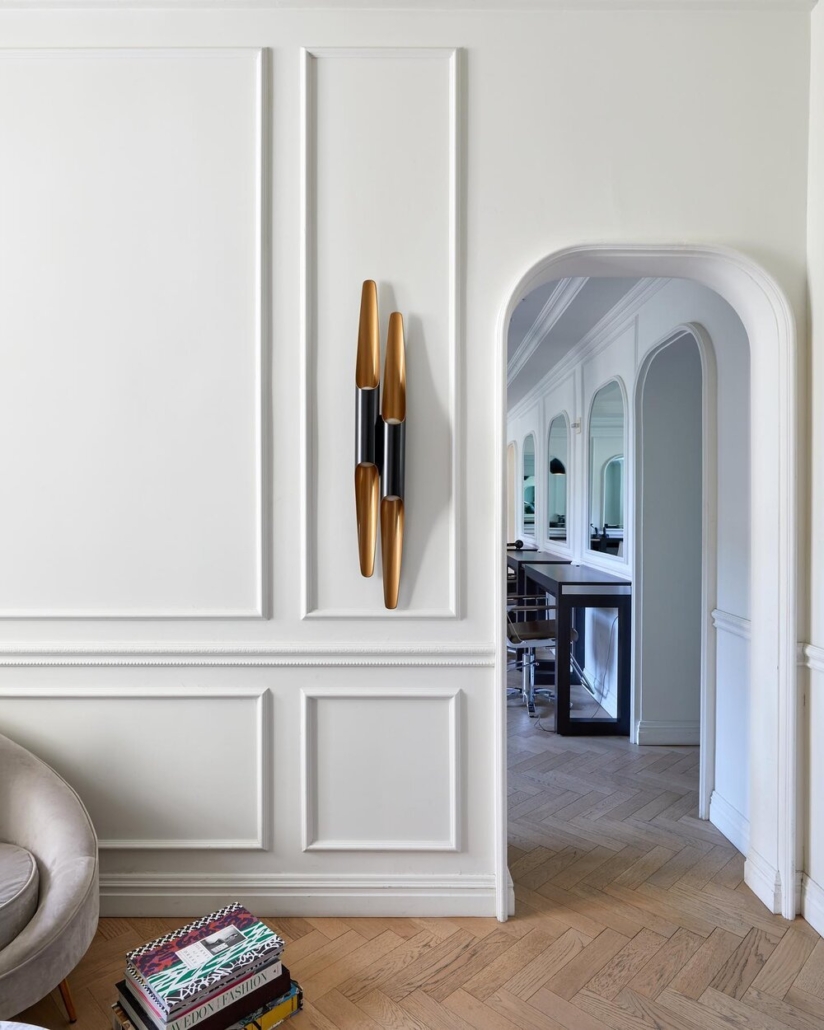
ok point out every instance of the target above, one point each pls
(394, 460)
(380, 444)
(368, 438)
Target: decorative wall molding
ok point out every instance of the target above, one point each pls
(813, 657)
(733, 624)
(263, 304)
(264, 750)
(734, 826)
(764, 881)
(420, 5)
(559, 300)
(812, 903)
(616, 321)
(668, 733)
(309, 57)
(309, 759)
(165, 653)
(286, 894)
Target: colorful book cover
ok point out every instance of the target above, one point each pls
(199, 959)
(234, 1005)
(201, 1008)
(275, 1013)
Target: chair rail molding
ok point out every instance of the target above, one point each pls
(813, 657)
(769, 322)
(736, 625)
(165, 653)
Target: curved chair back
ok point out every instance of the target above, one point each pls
(39, 811)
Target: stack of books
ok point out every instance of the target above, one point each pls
(222, 972)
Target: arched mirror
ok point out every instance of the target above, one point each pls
(556, 484)
(606, 470)
(529, 486)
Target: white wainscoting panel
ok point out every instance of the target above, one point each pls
(368, 784)
(381, 201)
(133, 322)
(158, 770)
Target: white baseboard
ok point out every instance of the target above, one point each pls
(812, 903)
(672, 733)
(734, 826)
(763, 881)
(192, 894)
(510, 894)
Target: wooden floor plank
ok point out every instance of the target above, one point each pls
(629, 961)
(745, 963)
(696, 975)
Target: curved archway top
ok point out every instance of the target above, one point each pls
(560, 414)
(725, 270)
(619, 382)
(769, 321)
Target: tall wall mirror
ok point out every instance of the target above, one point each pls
(606, 470)
(529, 486)
(556, 485)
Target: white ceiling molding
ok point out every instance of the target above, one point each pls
(615, 321)
(499, 6)
(559, 300)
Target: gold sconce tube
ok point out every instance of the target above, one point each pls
(367, 436)
(394, 460)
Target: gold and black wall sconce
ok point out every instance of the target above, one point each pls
(380, 444)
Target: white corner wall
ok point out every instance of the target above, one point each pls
(190, 200)
(812, 760)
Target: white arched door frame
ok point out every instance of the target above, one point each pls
(772, 860)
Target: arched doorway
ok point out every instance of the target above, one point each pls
(678, 454)
(767, 318)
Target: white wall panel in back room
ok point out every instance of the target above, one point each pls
(131, 321)
(158, 770)
(368, 785)
(381, 202)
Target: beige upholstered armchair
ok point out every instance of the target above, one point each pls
(48, 881)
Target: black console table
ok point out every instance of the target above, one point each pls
(518, 560)
(576, 588)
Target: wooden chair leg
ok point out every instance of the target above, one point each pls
(68, 1001)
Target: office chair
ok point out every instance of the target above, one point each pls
(524, 638)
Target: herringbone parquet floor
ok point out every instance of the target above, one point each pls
(631, 915)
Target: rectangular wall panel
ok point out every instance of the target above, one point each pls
(413, 804)
(381, 199)
(132, 332)
(180, 770)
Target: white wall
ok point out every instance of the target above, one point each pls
(812, 814)
(185, 233)
(619, 352)
(671, 527)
